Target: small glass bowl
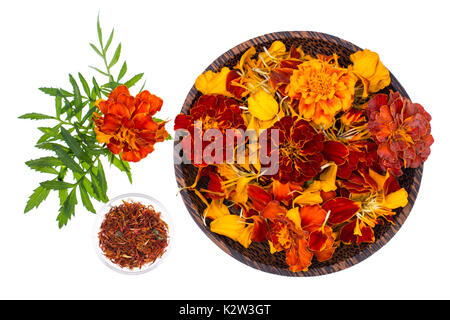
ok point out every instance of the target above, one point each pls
(145, 200)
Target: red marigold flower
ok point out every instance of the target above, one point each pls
(213, 112)
(300, 150)
(401, 129)
(126, 124)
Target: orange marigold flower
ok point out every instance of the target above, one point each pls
(402, 131)
(126, 124)
(286, 235)
(323, 89)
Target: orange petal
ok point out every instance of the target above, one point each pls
(273, 209)
(312, 216)
(324, 255)
(281, 191)
(298, 257)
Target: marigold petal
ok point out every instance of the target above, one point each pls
(298, 257)
(312, 216)
(260, 229)
(308, 198)
(245, 238)
(216, 209)
(328, 178)
(341, 209)
(230, 226)
(263, 105)
(346, 234)
(396, 199)
(273, 210)
(259, 197)
(317, 240)
(335, 151)
(294, 215)
(213, 82)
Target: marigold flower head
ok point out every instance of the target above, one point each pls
(212, 112)
(300, 150)
(323, 89)
(402, 131)
(379, 203)
(126, 124)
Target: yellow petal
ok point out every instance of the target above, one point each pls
(276, 50)
(230, 226)
(396, 199)
(102, 137)
(368, 67)
(379, 179)
(216, 209)
(213, 82)
(245, 238)
(328, 178)
(262, 105)
(365, 62)
(272, 248)
(246, 57)
(294, 215)
(314, 187)
(240, 195)
(253, 124)
(357, 230)
(308, 198)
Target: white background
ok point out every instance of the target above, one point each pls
(173, 42)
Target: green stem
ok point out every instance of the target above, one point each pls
(87, 171)
(111, 78)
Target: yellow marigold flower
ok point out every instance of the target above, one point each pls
(369, 69)
(322, 89)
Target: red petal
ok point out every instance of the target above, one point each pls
(260, 229)
(347, 233)
(235, 90)
(215, 185)
(260, 197)
(367, 235)
(327, 195)
(280, 76)
(391, 185)
(341, 209)
(182, 122)
(317, 240)
(335, 151)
